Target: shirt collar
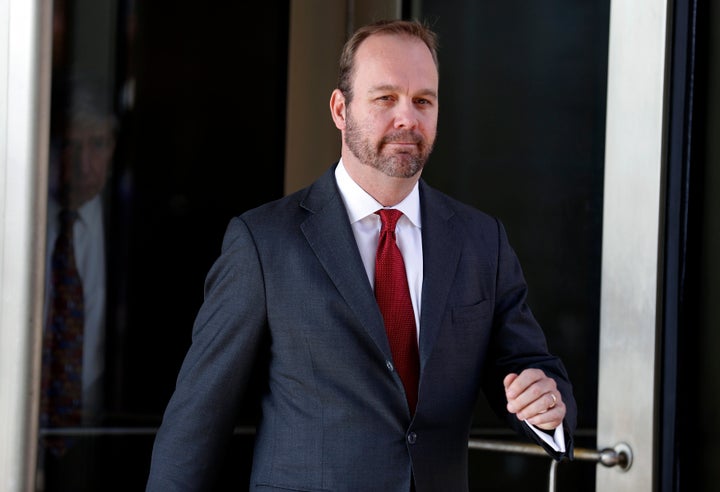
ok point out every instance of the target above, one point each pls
(360, 204)
(87, 212)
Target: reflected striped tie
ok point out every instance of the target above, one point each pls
(63, 341)
(393, 297)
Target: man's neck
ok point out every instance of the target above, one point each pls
(387, 190)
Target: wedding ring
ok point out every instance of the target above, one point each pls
(554, 401)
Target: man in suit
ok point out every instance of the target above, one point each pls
(83, 130)
(293, 290)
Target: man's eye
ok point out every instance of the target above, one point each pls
(70, 146)
(99, 143)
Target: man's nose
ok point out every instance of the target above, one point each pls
(406, 115)
(82, 158)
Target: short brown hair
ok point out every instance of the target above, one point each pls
(411, 28)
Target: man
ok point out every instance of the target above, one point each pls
(73, 357)
(295, 288)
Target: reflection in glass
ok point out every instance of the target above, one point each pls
(149, 128)
(73, 357)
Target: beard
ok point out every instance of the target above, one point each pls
(393, 163)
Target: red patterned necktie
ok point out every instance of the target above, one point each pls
(393, 297)
(63, 342)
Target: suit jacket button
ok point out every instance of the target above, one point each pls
(411, 438)
(389, 365)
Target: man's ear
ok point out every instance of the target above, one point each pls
(338, 108)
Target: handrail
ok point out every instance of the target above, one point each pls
(118, 430)
(620, 455)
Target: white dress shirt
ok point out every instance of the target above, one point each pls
(361, 208)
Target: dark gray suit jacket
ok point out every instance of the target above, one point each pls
(334, 414)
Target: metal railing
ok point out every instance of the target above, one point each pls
(620, 455)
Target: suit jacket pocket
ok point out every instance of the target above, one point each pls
(467, 314)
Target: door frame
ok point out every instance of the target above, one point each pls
(25, 37)
(633, 241)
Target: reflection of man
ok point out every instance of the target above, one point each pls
(82, 145)
(81, 154)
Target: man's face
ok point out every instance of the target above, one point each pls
(82, 161)
(391, 121)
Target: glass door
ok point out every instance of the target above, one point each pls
(154, 117)
(522, 136)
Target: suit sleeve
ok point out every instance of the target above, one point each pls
(227, 337)
(519, 343)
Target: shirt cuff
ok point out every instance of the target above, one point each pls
(556, 441)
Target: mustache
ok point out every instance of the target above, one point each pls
(403, 136)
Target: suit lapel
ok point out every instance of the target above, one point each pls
(330, 235)
(441, 253)
(328, 232)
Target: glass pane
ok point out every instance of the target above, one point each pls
(521, 136)
(698, 337)
(154, 111)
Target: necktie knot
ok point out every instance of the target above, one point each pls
(67, 219)
(389, 218)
